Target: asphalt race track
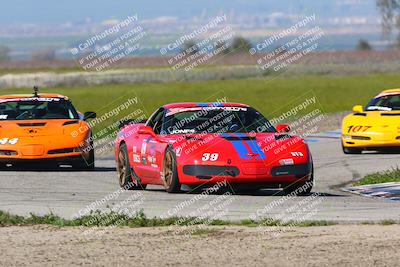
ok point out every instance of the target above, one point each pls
(65, 192)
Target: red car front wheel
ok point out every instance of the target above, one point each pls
(170, 172)
(125, 172)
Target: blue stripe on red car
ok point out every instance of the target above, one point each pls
(241, 146)
(240, 135)
(202, 105)
(218, 104)
(241, 149)
(215, 104)
(256, 149)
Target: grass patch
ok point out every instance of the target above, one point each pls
(388, 222)
(380, 177)
(308, 223)
(103, 219)
(316, 223)
(384, 222)
(367, 223)
(268, 96)
(249, 223)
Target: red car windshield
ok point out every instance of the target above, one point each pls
(215, 120)
(33, 109)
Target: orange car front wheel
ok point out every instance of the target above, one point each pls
(86, 163)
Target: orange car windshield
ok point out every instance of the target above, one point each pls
(32, 109)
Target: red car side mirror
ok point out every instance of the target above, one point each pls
(282, 128)
(147, 130)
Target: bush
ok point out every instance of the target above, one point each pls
(45, 55)
(190, 47)
(240, 45)
(4, 53)
(363, 45)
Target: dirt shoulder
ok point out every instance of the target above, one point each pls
(349, 245)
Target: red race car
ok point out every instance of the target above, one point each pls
(202, 144)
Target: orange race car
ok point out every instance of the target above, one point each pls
(44, 128)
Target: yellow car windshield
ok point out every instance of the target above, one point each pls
(385, 103)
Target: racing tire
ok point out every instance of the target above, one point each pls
(347, 150)
(87, 163)
(3, 166)
(295, 187)
(125, 172)
(170, 172)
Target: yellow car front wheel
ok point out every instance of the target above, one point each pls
(348, 150)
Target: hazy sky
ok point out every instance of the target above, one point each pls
(59, 11)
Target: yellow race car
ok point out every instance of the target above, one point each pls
(377, 127)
